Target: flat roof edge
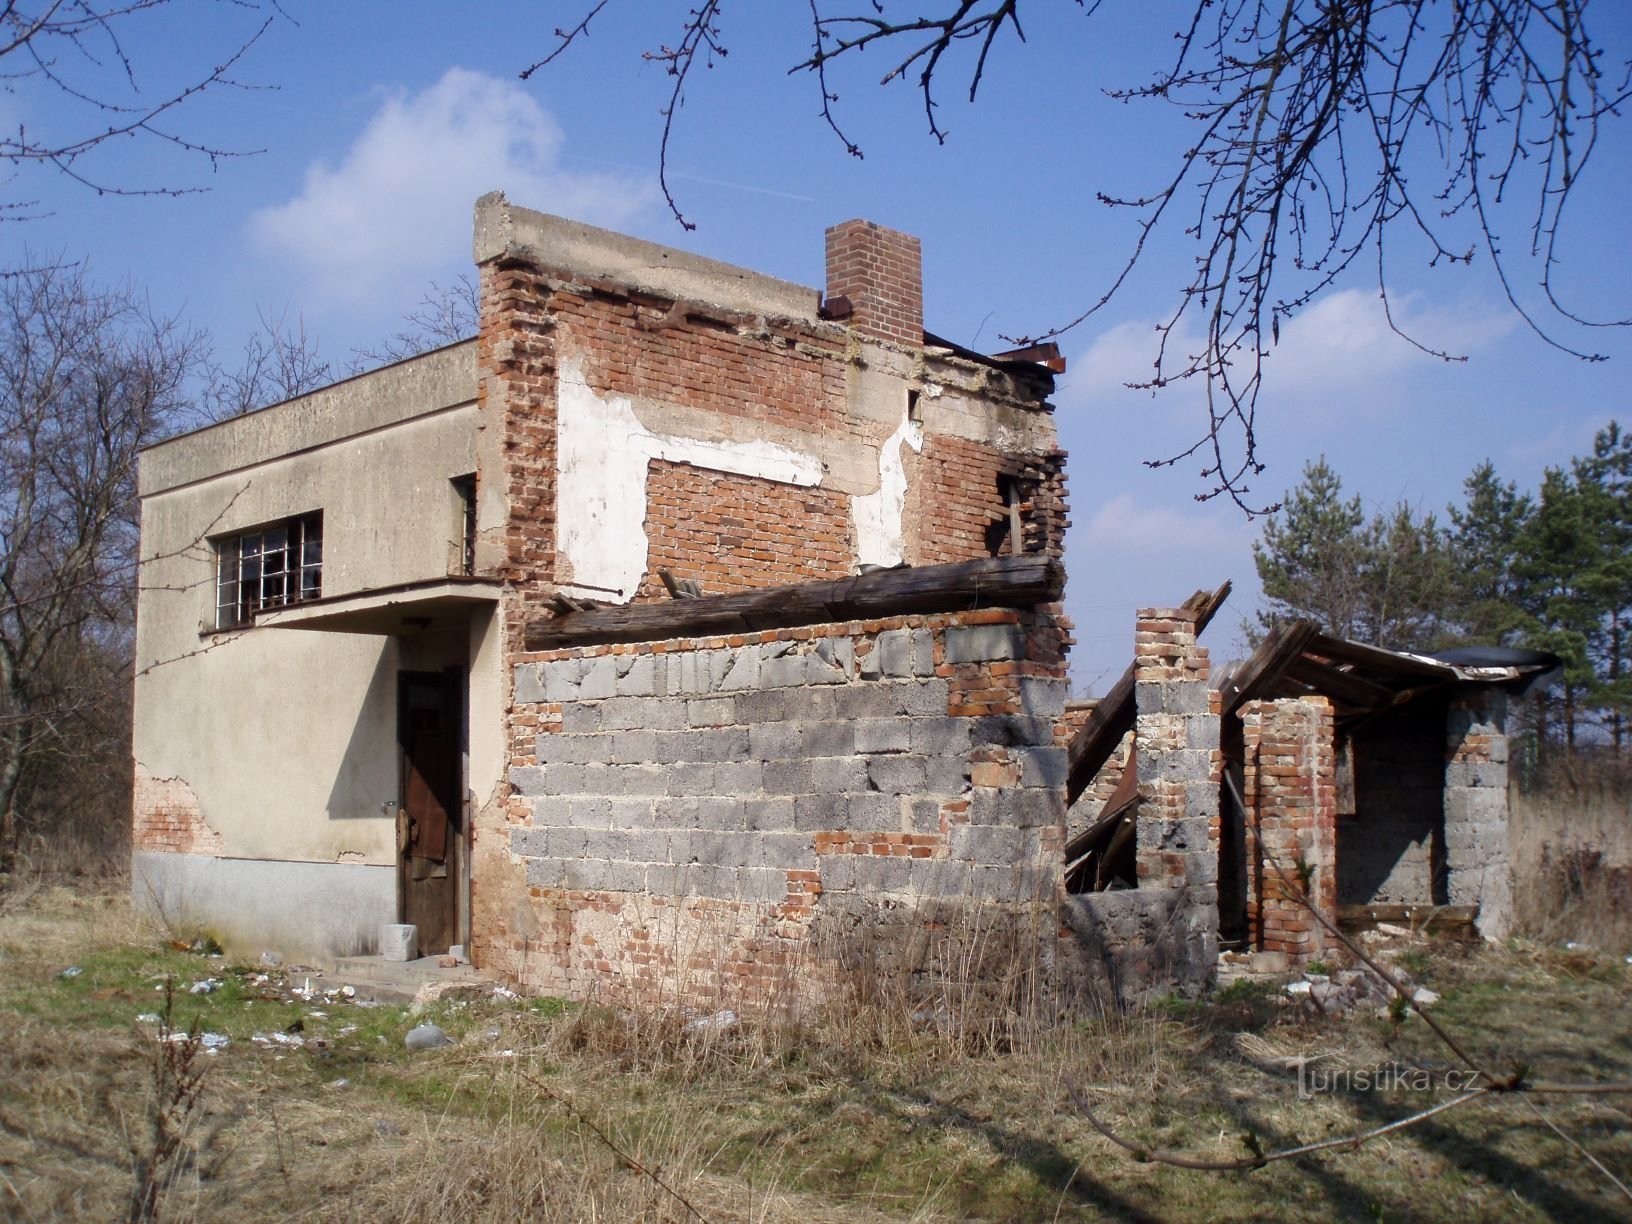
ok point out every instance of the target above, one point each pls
(505, 230)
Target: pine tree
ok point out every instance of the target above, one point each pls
(1484, 541)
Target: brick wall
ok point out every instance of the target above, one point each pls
(703, 818)
(167, 819)
(1290, 792)
(881, 272)
(732, 533)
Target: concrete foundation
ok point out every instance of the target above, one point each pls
(314, 910)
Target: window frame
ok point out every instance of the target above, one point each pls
(282, 561)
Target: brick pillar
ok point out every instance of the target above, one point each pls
(1478, 868)
(881, 272)
(1290, 788)
(1176, 749)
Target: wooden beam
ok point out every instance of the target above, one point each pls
(990, 582)
(1258, 676)
(1113, 717)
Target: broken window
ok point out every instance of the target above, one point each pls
(464, 491)
(270, 567)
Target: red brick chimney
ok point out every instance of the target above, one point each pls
(881, 272)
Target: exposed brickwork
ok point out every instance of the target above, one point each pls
(881, 272)
(730, 792)
(167, 819)
(732, 533)
(1289, 788)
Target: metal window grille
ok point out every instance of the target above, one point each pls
(271, 567)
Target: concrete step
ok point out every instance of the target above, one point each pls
(374, 977)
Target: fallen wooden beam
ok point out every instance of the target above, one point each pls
(989, 582)
(1454, 920)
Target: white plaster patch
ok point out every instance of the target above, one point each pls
(879, 539)
(603, 451)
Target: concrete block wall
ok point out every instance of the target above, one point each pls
(1289, 788)
(693, 818)
(1163, 935)
(1478, 867)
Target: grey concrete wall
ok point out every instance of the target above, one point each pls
(285, 740)
(717, 772)
(307, 911)
(1392, 850)
(1478, 865)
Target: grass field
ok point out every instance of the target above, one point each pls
(544, 1110)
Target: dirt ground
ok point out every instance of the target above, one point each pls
(314, 1109)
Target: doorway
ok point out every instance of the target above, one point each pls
(432, 841)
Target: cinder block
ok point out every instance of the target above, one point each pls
(637, 676)
(740, 778)
(531, 779)
(871, 812)
(1014, 731)
(629, 813)
(1043, 698)
(820, 811)
(545, 872)
(600, 680)
(632, 747)
(768, 815)
(839, 773)
(761, 885)
(529, 684)
(785, 671)
(711, 712)
(925, 698)
(923, 652)
(896, 775)
(720, 744)
(691, 778)
(894, 651)
(762, 706)
(882, 734)
(741, 671)
(787, 777)
(946, 775)
(561, 679)
(529, 843)
(579, 718)
(585, 813)
(786, 851)
(875, 700)
(1043, 767)
(720, 813)
(643, 780)
(984, 643)
(773, 741)
(941, 736)
(827, 739)
(833, 661)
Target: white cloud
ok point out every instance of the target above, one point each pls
(1338, 347)
(395, 211)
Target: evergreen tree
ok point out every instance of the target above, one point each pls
(1383, 581)
(1484, 542)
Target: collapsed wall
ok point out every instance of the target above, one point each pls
(735, 817)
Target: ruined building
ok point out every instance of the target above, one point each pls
(688, 632)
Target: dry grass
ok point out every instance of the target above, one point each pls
(875, 1106)
(1572, 851)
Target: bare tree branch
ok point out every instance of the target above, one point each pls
(1317, 130)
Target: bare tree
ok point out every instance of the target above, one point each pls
(446, 314)
(1317, 129)
(71, 57)
(280, 361)
(87, 378)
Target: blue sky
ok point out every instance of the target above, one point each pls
(381, 122)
